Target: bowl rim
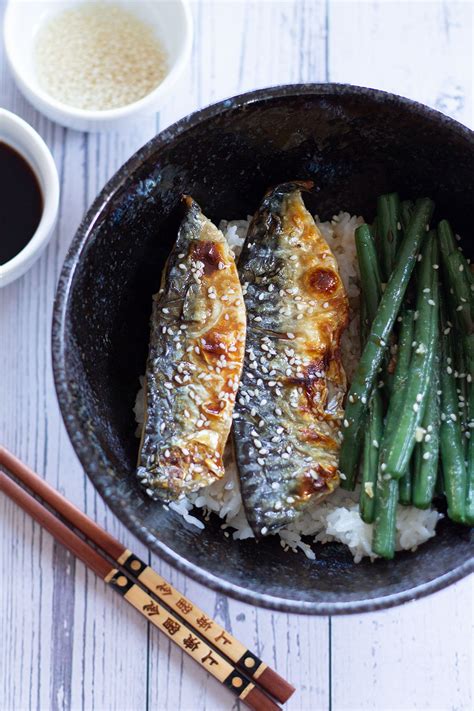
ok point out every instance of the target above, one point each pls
(69, 113)
(75, 425)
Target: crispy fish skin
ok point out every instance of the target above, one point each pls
(290, 404)
(195, 359)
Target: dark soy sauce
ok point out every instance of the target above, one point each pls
(21, 203)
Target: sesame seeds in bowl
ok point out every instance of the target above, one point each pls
(98, 57)
(95, 66)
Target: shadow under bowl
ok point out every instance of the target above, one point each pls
(354, 143)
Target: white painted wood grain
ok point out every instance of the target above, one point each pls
(65, 641)
(422, 50)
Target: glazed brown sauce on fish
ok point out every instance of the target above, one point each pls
(21, 203)
(207, 253)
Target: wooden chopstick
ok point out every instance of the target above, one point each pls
(182, 635)
(192, 616)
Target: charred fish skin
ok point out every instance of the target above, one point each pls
(290, 403)
(197, 338)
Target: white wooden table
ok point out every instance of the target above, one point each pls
(65, 641)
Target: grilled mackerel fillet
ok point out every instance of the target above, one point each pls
(194, 364)
(289, 408)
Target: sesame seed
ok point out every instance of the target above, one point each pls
(383, 467)
(369, 489)
(419, 258)
(461, 267)
(453, 417)
(290, 335)
(260, 461)
(182, 266)
(435, 266)
(431, 302)
(346, 423)
(325, 305)
(426, 455)
(419, 397)
(416, 407)
(399, 225)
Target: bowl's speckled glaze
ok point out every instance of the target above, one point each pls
(355, 144)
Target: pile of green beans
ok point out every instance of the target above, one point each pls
(408, 426)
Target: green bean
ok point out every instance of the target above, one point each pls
(459, 279)
(427, 451)
(388, 231)
(460, 298)
(469, 365)
(406, 486)
(405, 412)
(370, 276)
(459, 286)
(447, 240)
(460, 374)
(451, 444)
(371, 292)
(385, 491)
(406, 209)
(373, 353)
(370, 459)
(404, 348)
(386, 500)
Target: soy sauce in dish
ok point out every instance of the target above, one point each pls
(21, 203)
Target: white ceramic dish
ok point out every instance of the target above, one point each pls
(23, 138)
(171, 20)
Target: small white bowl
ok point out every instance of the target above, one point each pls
(23, 138)
(170, 19)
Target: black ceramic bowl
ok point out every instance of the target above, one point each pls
(355, 144)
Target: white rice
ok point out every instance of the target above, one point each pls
(337, 517)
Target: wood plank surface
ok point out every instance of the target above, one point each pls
(65, 641)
